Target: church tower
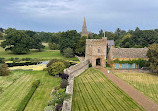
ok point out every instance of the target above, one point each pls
(84, 29)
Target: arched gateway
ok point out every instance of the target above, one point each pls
(96, 50)
(98, 62)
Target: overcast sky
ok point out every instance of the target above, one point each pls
(62, 15)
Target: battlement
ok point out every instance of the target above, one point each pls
(96, 40)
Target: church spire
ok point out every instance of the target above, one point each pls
(84, 29)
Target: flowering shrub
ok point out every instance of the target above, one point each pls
(59, 96)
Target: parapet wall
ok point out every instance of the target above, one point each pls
(73, 72)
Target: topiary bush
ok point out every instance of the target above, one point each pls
(2, 60)
(64, 83)
(4, 70)
(58, 107)
(56, 68)
(65, 76)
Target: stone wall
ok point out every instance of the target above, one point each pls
(96, 49)
(73, 72)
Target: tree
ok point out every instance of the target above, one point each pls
(101, 33)
(44, 36)
(30, 33)
(37, 43)
(18, 42)
(68, 52)
(137, 29)
(145, 37)
(80, 46)
(10, 30)
(1, 36)
(56, 68)
(153, 56)
(53, 46)
(126, 41)
(69, 40)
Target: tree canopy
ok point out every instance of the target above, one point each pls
(20, 43)
(153, 56)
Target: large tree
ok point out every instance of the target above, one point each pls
(153, 56)
(68, 40)
(80, 46)
(19, 42)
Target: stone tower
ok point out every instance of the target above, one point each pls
(96, 51)
(84, 29)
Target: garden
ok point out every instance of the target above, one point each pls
(94, 92)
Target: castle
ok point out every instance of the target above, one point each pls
(95, 48)
(96, 52)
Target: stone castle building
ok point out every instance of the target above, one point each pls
(96, 51)
(84, 29)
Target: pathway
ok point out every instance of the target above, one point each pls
(140, 98)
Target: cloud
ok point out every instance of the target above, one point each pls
(48, 8)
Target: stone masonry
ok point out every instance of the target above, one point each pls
(96, 51)
(84, 29)
(73, 72)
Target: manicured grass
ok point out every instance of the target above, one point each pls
(16, 90)
(94, 92)
(144, 82)
(45, 54)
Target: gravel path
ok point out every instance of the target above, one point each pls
(140, 98)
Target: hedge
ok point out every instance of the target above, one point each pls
(26, 99)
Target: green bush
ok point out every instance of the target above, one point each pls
(53, 46)
(90, 65)
(56, 68)
(59, 96)
(2, 60)
(26, 99)
(52, 61)
(64, 83)
(4, 70)
(68, 52)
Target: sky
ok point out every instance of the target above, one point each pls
(63, 15)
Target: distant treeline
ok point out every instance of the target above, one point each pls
(72, 39)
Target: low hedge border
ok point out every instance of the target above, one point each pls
(27, 98)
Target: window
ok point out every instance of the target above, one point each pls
(98, 50)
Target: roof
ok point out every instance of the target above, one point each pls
(128, 52)
(110, 42)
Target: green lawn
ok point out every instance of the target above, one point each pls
(45, 54)
(17, 85)
(144, 82)
(94, 92)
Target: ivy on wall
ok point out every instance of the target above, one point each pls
(141, 62)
